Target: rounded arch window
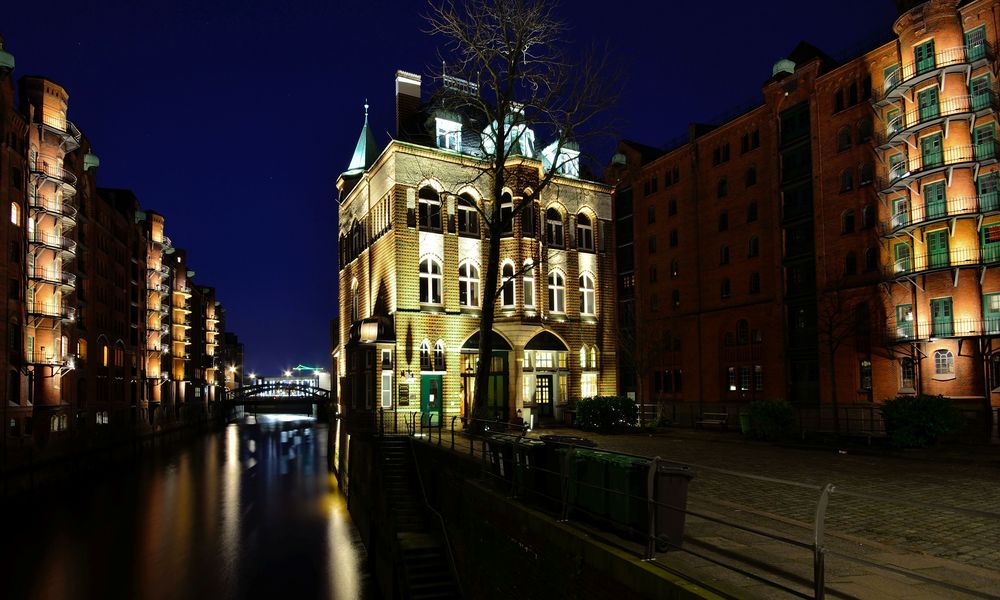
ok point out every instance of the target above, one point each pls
(468, 285)
(944, 362)
(439, 364)
(430, 281)
(553, 227)
(468, 217)
(507, 285)
(430, 208)
(584, 232)
(587, 304)
(557, 292)
(425, 355)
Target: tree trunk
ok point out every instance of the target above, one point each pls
(489, 298)
(833, 391)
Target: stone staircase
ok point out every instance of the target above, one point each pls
(425, 564)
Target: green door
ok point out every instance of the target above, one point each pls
(991, 313)
(924, 56)
(934, 200)
(986, 188)
(904, 321)
(930, 151)
(431, 387)
(979, 89)
(897, 166)
(984, 141)
(901, 254)
(975, 44)
(900, 213)
(543, 394)
(927, 101)
(990, 241)
(941, 324)
(937, 248)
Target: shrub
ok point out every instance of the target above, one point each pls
(771, 419)
(606, 413)
(918, 421)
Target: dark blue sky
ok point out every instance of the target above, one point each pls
(234, 118)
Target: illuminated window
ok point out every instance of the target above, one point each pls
(468, 285)
(439, 364)
(553, 228)
(732, 379)
(507, 284)
(15, 213)
(387, 389)
(587, 294)
(906, 373)
(944, 362)
(557, 292)
(865, 372)
(449, 135)
(588, 385)
(430, 281)
(583, 357)
(355, 304)
(528, 282)
(584, 233)
(104, 355)
(507, 214)
(425, 355)
(430, 209)
(468, 219)
(81, 349)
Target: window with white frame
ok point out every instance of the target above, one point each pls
(439, 364)
(587, 306)
(507, 282)
(355, 304)
(944, 362)
(425, 355)
(430, 281)
(528, 282)
(557, 292)
(588, 385)
(468, 285)
(583, 357)
(553, 228)
(449, 135)
(584, 232)
(507, 213)
(430, 209)
(386, 389)
(468, 218)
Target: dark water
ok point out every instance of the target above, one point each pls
(248, 512)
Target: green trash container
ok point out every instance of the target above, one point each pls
(671, 483)
(528, 477)
(628, 503)
(501, 451)
(745, 423)
(589, 482)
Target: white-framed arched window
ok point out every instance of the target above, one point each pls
(15, 213)
(430, 209)
(425, 355)
(468, 217)
(553, 228)
(944, 362)
(593, 357)
(507, 285)
(583, 357)
(430, 281)
(557, 292)
(468, 285)
(355, 302)
(439, 364)
(584, 232)
(587, 305)
(528, 284)
(507, 213)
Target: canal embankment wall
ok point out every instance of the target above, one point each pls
(502, 548)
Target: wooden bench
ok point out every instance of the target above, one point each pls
(718, 419)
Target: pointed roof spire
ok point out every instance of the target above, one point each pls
(366, 150)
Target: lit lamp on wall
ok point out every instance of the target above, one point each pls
(232, 374)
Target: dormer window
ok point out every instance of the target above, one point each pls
(449, 135)
(566, 163)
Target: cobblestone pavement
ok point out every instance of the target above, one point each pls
(899, 519)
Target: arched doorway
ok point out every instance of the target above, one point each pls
(546, 373)
(497, 393)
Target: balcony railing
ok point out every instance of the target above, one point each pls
(901, 172)
(918, 214)
(904, 124)
(46, 309)
(45, 358)
(51, 240)
(904, 77)
(49, 206)
(52, 276)
(956, 257)
(48, 167)
(183, 289)
(67, 132)
(909, 331)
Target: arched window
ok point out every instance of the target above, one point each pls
(81, 348)
(468, 219)
(753, 247)
(866, 173)
(844, 138)
(557, 292)
(553, 228)
(425, 355)
(944, 362)
(468, 285)
(15, 213)
(584, 232)
(907, 373)
(868, 216)
(583, 357)
(104, 355)
(528, 282)
(850, 264)
(593, 357)
(430, 209)
(507, 213)
(507, 285)
(355, 302)
(430, 281)
(846, 180)
(439, 364)
(847, 221)
(587, 305)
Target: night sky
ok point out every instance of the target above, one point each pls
(233, 119)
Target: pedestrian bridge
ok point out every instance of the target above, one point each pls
(277, 393)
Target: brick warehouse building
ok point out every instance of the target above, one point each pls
(835, 239)
(411, 262)
(90, 276)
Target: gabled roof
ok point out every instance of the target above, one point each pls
(365, 152)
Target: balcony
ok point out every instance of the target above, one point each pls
(957, 59)
(897, 130)
(922, 214)
(53, 277)
(154, 348)
(183, 290)
(50, 310)
(163, 242)
(901, 174)
(938, 261)
(50, 169)
(45, 358)
(910, 331)
(67, 133)
(61, 210)
(51, 241)
(158, 289)
(182, 309)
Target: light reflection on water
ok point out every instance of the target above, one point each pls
(248, 512)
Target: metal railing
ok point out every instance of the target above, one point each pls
(918, 214)
(44, 358)
(902, 331)
(45, 309)
(52, 240)
(65, 129)
(954, 155)
(47, 205)
(955, 257)
(52, 276)
(953, 105)
(499, 469)
(908, 73)
(52, 170)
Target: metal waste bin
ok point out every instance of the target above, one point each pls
(628, 502)
(501, 451)
(528, 477)
(588, 483)
(670, 493)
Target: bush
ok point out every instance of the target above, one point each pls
(918, 421)
(771, 419)
(606, 413)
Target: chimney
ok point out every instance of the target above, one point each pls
(407, 103)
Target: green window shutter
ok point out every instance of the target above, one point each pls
(984, 140)
(979, 89)
(904, 321)
(937, 248)
(893, 122)
(901, 256)
(975, 44)
(986, 188)
(927, 101)
(891, 77)
(991, 313)
(990, 242)
(930, 151)
(923, 55)
(941, 317)
(935, 204)
(897, 166)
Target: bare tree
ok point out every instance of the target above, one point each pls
(508, 62)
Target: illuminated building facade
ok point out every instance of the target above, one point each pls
(835, 240)
(412, 260)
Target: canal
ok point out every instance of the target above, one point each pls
(247, 512)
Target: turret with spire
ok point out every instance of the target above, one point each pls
(365, 153)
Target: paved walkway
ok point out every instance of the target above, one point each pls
(898, 518)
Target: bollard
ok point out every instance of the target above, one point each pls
(651, 508)
(819, 553)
